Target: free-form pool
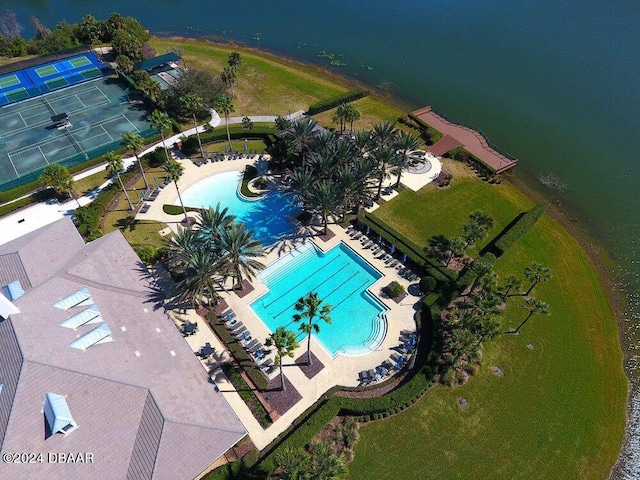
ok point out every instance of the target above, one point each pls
(267, 216)
(341, 278)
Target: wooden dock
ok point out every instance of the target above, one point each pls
(456, 135)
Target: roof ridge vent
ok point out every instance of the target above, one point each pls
(58, 415)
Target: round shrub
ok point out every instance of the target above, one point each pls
(428, 284)
(190, 146)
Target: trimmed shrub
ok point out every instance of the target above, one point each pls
(147, 254)
(329, 103)
(172, 209)
(519, 228)
(431, 299)
(428, 284)
(431, 134)
(190, 146)
(489, 258)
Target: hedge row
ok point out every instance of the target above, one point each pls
(247, 394)
(237, 132)
(519, 228)
(303, 429)
(329, 103)
(39, 196)
(239, 353)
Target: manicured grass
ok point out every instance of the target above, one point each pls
(558, 412)
(238, 145)
(266, 86)
(372, 110)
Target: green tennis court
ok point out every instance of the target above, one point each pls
(9, 81)
(80, 62)
(46, 70)
(17, 94)
(91, 73)
(56, 83)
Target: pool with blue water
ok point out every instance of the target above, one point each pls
(341, 278)
(266, 216)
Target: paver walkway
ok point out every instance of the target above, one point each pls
(470, 139)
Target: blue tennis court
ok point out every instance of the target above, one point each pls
(41, 79)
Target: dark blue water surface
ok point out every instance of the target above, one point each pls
(556, 83)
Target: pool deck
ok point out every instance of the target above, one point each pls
(341, 370)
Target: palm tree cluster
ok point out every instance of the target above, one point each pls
(217, 248)
(477, 317)
(321, 463)
(449, 249)
(333, 175)
(346, 113)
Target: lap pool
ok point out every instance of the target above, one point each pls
(266, 215)
(341, 278)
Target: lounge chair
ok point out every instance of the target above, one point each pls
(239, 331)
(145, 208)
(357, 235)
(364, 377)
(393, 263)
(266, 365)
(248, 346)
(255, 347)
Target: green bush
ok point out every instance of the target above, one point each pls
(428, 284)
(519, 228)
(250, 172)
(172, 209)
(489, 258)
(329, 103)
(147, 254)
(431, 134)
(39, 196)
(190, 146)
(394, 289)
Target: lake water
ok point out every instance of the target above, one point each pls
(554, 83)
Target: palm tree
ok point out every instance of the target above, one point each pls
(302, 136)
(482, 270)
(384, 157)
(536, 273)
(134, 143)
(351, 115)
(193, 104)
(300, 185)
(340, 115)
(472, 232)
(511, 282)
(114, 166)
(457, 246)
(174, 171)
(160, 121)
(312, 311)
(228, 77)
(352, 187)
(224, 104)
(325, 464)
(200, 268)
(210, 225)
(58, 177)
(535, 307)
(362, 142)
(282, 123)
(383, 133)
(181, 246)
(405, 143)
(241, 250)
(324, 200)
(285, 343)
(482, 218)
(461, 343)
(293, 462)
(234, 59)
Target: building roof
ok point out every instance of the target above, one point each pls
(144, 405)
(151, 63)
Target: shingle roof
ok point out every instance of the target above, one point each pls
(169, 398)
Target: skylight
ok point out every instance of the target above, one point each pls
(73, 300)
(58, 415)
(89, 315)
(100, 334)
(13, 291)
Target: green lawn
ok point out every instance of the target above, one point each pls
(558, 412)
(372, 111)
(266, 85)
